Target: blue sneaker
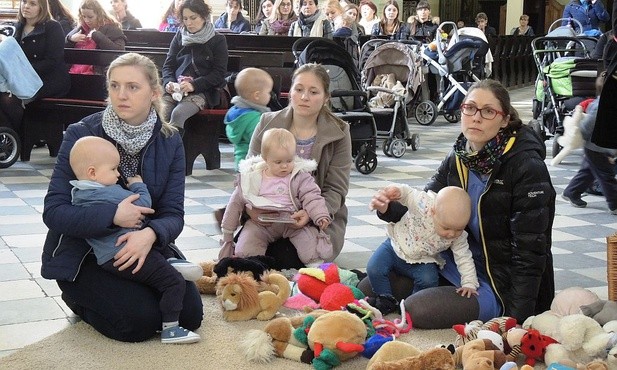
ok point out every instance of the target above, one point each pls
(179, 335)
(189, 270)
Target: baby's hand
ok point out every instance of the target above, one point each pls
(133, 180)
(392, 192)
(381, 199)
(323, 223)
(467, 292)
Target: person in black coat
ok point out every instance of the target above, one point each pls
(62, 15)
(605, 131)
(500, 163)
(195, 67)
(42, 40)
(233, 19)
(482, 23)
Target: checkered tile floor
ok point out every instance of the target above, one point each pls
(31, 308)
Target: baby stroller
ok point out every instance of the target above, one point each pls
(347, 100)
(464, 59)
(398, 61)
(10, 145)
(566, 76)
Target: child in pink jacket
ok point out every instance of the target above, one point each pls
(281, 182)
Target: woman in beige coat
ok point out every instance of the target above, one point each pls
(320, 135)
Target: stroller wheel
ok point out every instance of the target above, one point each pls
(385, 146)
(415, 142)
(398, 148)
(452, 116)
(10, 147)
(365, 161)
(556, 147)
(426, 113)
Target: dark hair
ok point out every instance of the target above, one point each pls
(384, 20)
(260, 13)
(503, 96)
(196, 6)
(229, 2)
(481, 15)
(59, 11)
(422, 4)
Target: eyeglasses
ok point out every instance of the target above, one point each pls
(486, 112)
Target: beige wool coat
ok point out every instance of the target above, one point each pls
(332, 152)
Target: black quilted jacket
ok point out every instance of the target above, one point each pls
(517, 210)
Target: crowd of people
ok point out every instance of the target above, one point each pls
(454, 252)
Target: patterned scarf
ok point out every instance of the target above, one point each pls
(281, 27)
(484, 160)
(200, 37)
(132, 139)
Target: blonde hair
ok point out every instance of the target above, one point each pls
(454, 205)
(334, 5)
(250, 80)
(149, 70)
(276, 12)
(90, 151)
(102, 17)
(277, 138)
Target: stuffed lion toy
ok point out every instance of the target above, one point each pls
(241, 299)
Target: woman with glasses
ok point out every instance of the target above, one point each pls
(280, 20)
(524, 29)
(500, 163)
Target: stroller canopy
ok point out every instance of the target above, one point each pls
(398, 58)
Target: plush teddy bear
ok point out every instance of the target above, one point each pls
(397, 355)
(325, 340)
(581, 339)
(479, 354)
(602, 311)
(469, 331)
(256, 265)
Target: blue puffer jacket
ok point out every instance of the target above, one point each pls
(590, 15)
(162, 169)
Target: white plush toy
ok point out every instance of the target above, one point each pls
(572, 138)
(581, 339)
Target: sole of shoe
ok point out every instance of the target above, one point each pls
(189, 270)
(182, 340)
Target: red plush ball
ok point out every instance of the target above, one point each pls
(336, 296)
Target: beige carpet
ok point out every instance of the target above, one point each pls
(81, 347)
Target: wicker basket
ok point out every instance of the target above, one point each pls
(611, 266)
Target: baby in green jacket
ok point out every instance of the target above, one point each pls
(253, 86)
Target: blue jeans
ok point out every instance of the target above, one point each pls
(384, 260)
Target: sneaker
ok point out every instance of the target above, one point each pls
(384, 303)
(189, 270)
(575, 201)
(178, 335)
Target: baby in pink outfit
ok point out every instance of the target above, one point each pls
(281, 183)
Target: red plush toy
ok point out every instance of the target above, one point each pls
(533, 346)
(313, 281)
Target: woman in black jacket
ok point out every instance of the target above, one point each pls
(42, 40)
(500, 163)
(194, 71)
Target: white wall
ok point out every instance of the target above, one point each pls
(514, 9)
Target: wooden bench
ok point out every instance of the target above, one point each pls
(47, 118)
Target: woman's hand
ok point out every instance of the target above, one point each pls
(78, 37)
(138, 245)
(169, 88)
(301, 217)
(129, 215)
(186, 87)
